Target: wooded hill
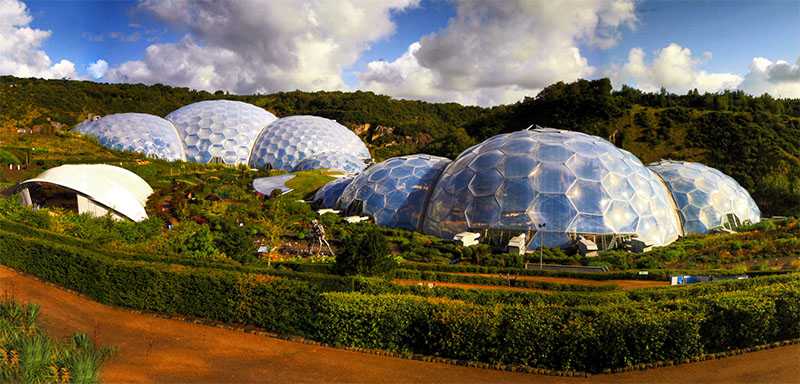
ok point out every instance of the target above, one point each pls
(754, 139)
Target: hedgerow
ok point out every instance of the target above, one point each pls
(589, 337)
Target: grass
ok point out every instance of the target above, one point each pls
(28, 355)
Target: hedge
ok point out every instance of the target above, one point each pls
(585, 337)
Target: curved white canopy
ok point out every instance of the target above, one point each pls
(116, 188)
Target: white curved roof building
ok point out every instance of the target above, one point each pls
(97, 189)
(223, 129)
(136, 132)
(706, 197)
(290, 140)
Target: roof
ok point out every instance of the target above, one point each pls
(116, 188)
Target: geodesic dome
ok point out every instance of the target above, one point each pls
(569, 182)
(136, 132)
(219, 128)
(331, 160)
(327, 196)
(706, 197)
(394, 192)
(290, 140)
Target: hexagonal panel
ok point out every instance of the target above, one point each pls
(560, 178)
(231, 125)
(302, 137)
(394, 192)
(327, 196)
(137, 132)
(331, 160)
(705, 196)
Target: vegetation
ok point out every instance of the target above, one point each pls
(753, 139)
(640, 327)
(28, 355)
(364, 253)
(404, 291)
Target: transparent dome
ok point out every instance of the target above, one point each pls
(290, 140)
(219, 128)
(136, 132)
(394, 192)
(327, 196)
(569, 182)
(706, 197)
(332, 160)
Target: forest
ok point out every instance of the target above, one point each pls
(752, 138)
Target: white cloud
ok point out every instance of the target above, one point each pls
(20, 46)
(779, 78)
(674, 68)
(498, 51)
(97, 69)
(257, 46)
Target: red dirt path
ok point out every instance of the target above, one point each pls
(153, 349)
(622, 284)
(426, 283)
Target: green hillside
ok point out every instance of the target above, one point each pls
(754, 139)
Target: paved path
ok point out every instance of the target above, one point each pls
(153, 349)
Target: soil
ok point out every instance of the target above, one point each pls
(154, 349)
(426, 283)
(622, 284)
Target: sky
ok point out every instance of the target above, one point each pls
(472, 52)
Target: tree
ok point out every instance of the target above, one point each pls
(364, 253)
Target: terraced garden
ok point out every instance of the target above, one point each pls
(429, 298)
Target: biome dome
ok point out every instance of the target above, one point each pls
(224, 129)
(394, 192)
(136, 132)
(290, 140)
(332, 160)
(328, 195)
(554, 183)
(706, 197)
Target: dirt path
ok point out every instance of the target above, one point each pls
(622, 284)
(426, 283)
(152, 349)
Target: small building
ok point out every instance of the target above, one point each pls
(467, 239)
(96, 189)
(517, 244)
(355, 219)
(586, 247)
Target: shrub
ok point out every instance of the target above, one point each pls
(237, 243)
(192, 239)
(665, 324)
(738, 319)
(364, 253)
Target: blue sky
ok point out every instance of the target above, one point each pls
(734, 32)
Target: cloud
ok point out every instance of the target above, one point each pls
(97, 69)
(20, 46)
(674, 68)
(498, 51)
(779, 78)
(248, 46)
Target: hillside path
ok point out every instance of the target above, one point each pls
(153, 349)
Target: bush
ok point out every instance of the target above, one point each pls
(666, 324)
(365, 253)
(237, 243)
(192, 239)
(737, 320)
